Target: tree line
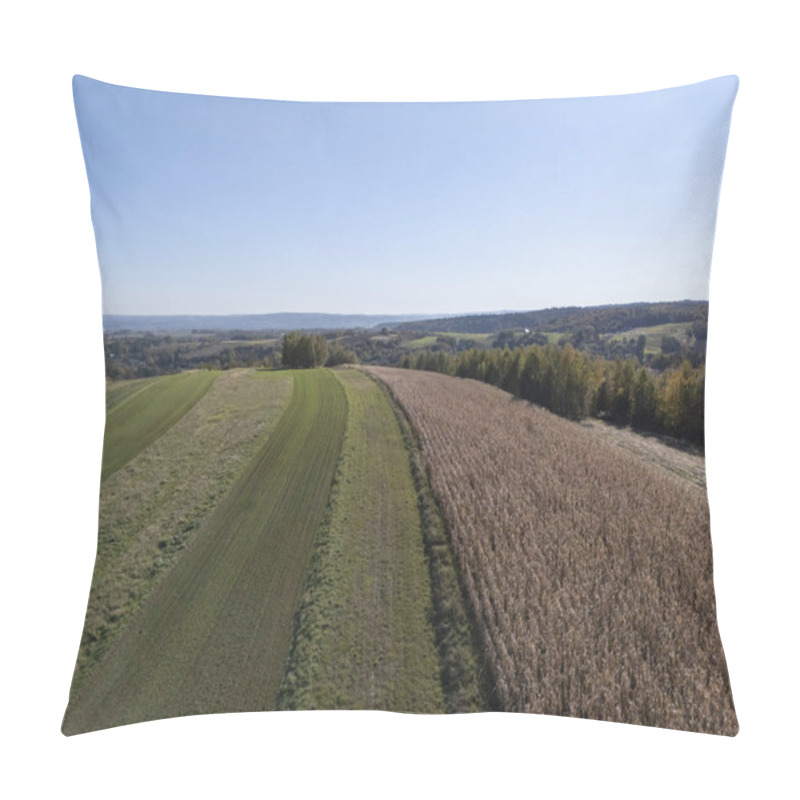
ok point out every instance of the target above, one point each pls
(575, 384)
(601, 319)
(148, 355)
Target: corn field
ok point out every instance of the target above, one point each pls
(589, 571)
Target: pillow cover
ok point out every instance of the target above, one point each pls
(404, 407)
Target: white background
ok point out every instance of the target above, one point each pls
(52, 384)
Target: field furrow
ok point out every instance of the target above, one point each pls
(215, 634)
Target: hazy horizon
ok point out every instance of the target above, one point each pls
(414, 314)
(219, 206)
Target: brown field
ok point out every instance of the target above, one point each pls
(589, 569)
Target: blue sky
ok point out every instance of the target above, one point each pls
(212, 205)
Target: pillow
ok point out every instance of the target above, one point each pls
(404, 407)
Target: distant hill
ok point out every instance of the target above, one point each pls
(604, 319)
(250, 322)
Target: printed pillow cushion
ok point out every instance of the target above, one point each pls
(404, 407)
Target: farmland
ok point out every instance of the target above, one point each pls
(152, 508)
(364, 638)
(119, 392)
(205, 558)
(451, 339)
(654, 335)
(214, 634)
(138, 420)
(589, 569)
(393, 539)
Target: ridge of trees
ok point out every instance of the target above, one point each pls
(576, 385)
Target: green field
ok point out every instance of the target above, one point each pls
(215, 634)
(140, 418)
(122, 390)
(430, 340)
(364, 638)
(418, 344)
(152, 510)
(552, 338)
(481, 338)
(679, 330)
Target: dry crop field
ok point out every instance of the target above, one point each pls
(589, 570)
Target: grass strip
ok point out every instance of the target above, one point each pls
(363, 636)
(215, 634)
